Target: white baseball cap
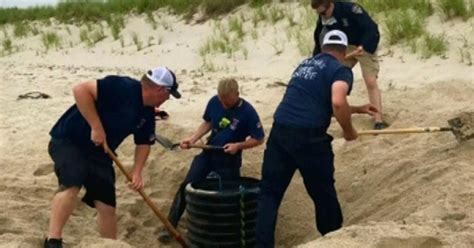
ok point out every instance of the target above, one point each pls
(335, 37)
(163, 76)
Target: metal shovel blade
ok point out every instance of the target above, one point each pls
(165, 142)
(170, 145)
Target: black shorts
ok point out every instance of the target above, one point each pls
(77, 168)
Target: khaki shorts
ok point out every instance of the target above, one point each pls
(369, 62)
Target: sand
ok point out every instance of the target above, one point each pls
(411, 190)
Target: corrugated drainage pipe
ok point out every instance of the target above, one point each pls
(222, 214)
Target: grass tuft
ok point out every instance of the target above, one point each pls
(50, 39)
(455, 8)
(403, 25)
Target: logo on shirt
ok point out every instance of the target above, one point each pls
(141, 123)
(259, 125)
(234, 124)
(345, 22)
(357, 9)
(308, 70)
(328, 21)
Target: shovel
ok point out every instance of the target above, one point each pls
(148, 201)
(461, 127)
(168, 144)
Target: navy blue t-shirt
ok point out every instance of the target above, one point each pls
(307, 101)
(244, 122)
(120, 108)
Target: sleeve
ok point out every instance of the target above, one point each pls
(146, 134)
(110, 92)
(344, 74)
(317, 33)
(207, 113)
(254, 125)
(370, 32)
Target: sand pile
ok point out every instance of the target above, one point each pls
(395, 190)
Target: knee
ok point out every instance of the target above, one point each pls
(371, 83)
(70, 192)
(105, 210)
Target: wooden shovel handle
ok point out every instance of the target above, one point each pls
(405, 130)
(148, 201)
(206, 147)
(351, 54)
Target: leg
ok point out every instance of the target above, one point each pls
(106, 220)
(317, 169)
(61, 208)
(375, 96)
(370, 67)
(226, 166)
(100, 194)
(70, 168)
(277, 172)
(198, 171)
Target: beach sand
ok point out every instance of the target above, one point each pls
(410, 190)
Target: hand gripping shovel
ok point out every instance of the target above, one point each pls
(168, 144)
(148, 201)
(462, 128)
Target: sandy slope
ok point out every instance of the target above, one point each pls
(396, 191)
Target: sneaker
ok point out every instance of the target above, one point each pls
(53, 243)
(164, 236)
(380, 125)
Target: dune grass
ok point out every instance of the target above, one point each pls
(434, 45)
(422, 7)
(7, 45)
(116, 24)
(136, 40)
(404, 20)
(92, 34)
(68, 11)
(50, 39)
(456, 8)
(403, 25)
(20, 29)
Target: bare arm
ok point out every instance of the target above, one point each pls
(85, 95)
(141, 155)
(250, 142)
(204, 128)
(364, 109)
(342, 110)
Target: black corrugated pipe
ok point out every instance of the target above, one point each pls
(222, 214)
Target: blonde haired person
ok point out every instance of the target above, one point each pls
(235, 125)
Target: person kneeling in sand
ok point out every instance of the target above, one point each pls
(236, 126)
(107, 110)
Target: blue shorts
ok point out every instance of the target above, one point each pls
(76, 168)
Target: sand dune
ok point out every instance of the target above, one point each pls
(396, 190)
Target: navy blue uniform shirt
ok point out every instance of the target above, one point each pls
(244, 122)
(120, 108)
(307, 102)
(354, 21)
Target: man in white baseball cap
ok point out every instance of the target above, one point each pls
(163, 76)
(335, 37)
(106, 111)
(298, 139)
